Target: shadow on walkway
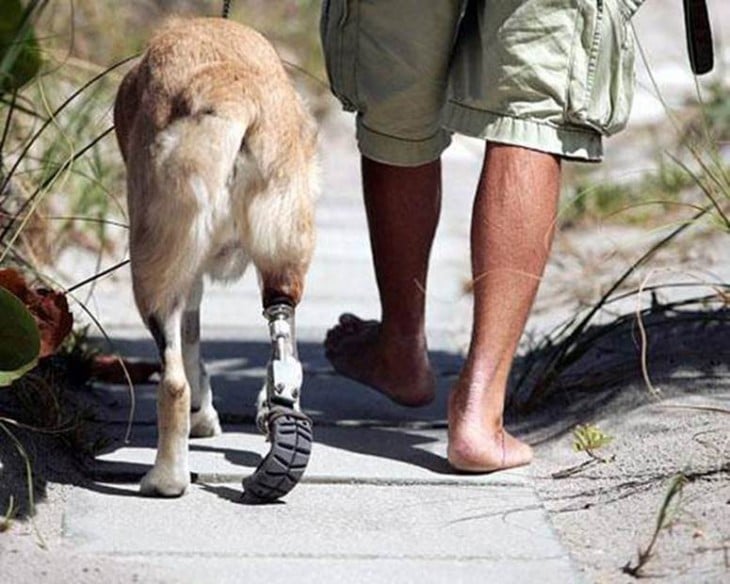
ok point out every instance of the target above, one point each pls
(688, 352)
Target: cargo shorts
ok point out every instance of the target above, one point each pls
(550, 75)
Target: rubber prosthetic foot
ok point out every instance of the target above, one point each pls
(290, 435)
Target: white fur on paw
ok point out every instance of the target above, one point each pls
(204, 423)
(163, 481)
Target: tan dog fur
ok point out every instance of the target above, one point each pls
(220, 156)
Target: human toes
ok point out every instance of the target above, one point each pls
(346, 325)
(349, 327)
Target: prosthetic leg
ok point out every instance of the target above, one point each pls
(279, 415)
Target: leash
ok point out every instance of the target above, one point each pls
(226, 8)
(697, 26)
(226, 13)
(699, 36)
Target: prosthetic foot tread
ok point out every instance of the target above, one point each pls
(290, 434)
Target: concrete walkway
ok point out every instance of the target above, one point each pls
(378, 502)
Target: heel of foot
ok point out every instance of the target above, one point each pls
(488, 455)
(468, 461)
(413, 399)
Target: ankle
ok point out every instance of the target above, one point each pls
(475, 406)
(399, 335)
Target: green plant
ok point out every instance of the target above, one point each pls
(586, 438)
(19, 339)
(707, 172)
(668, 511)
(649, 199)
(567, 343)
(20, 58)
(59, 166)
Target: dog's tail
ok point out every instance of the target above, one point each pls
(179, 188)
(217, 89)
(271, 170)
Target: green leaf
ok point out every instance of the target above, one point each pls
(20, 57)
(20, 340)
(589, 437)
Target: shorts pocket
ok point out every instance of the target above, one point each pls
(339, 32)
(601, 80)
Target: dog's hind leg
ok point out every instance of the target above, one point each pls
(278, 235)
(279, 414)
(203, 416)
(280, 298)
(170, 475)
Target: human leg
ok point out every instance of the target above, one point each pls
(512, 227)
(396, 78)
(403, 205)
(539, 81)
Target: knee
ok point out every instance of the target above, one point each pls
(174, 383)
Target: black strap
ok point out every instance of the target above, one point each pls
(226, 8)
(699, 36)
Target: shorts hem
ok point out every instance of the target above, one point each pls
(567, 142)
(400, 151)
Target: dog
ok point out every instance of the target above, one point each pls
(221, 162)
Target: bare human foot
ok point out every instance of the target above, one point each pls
(397, 367)
(477, 440)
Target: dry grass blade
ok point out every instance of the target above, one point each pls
(6, 127)
(127, 376)
(96, 276)
(644, 346)
(53, 115)
(569, 349)
(42, 188)
(664, 519)
(705, 188)
(697, 408)
(29, 479)
(573, 470)
(308, 74)
(111, 222)
(7, 521)
(51, 431)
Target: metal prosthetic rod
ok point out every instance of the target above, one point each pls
(284, 373)
(279, 416)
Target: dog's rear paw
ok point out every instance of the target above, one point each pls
(204, 423)
(164, 482)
